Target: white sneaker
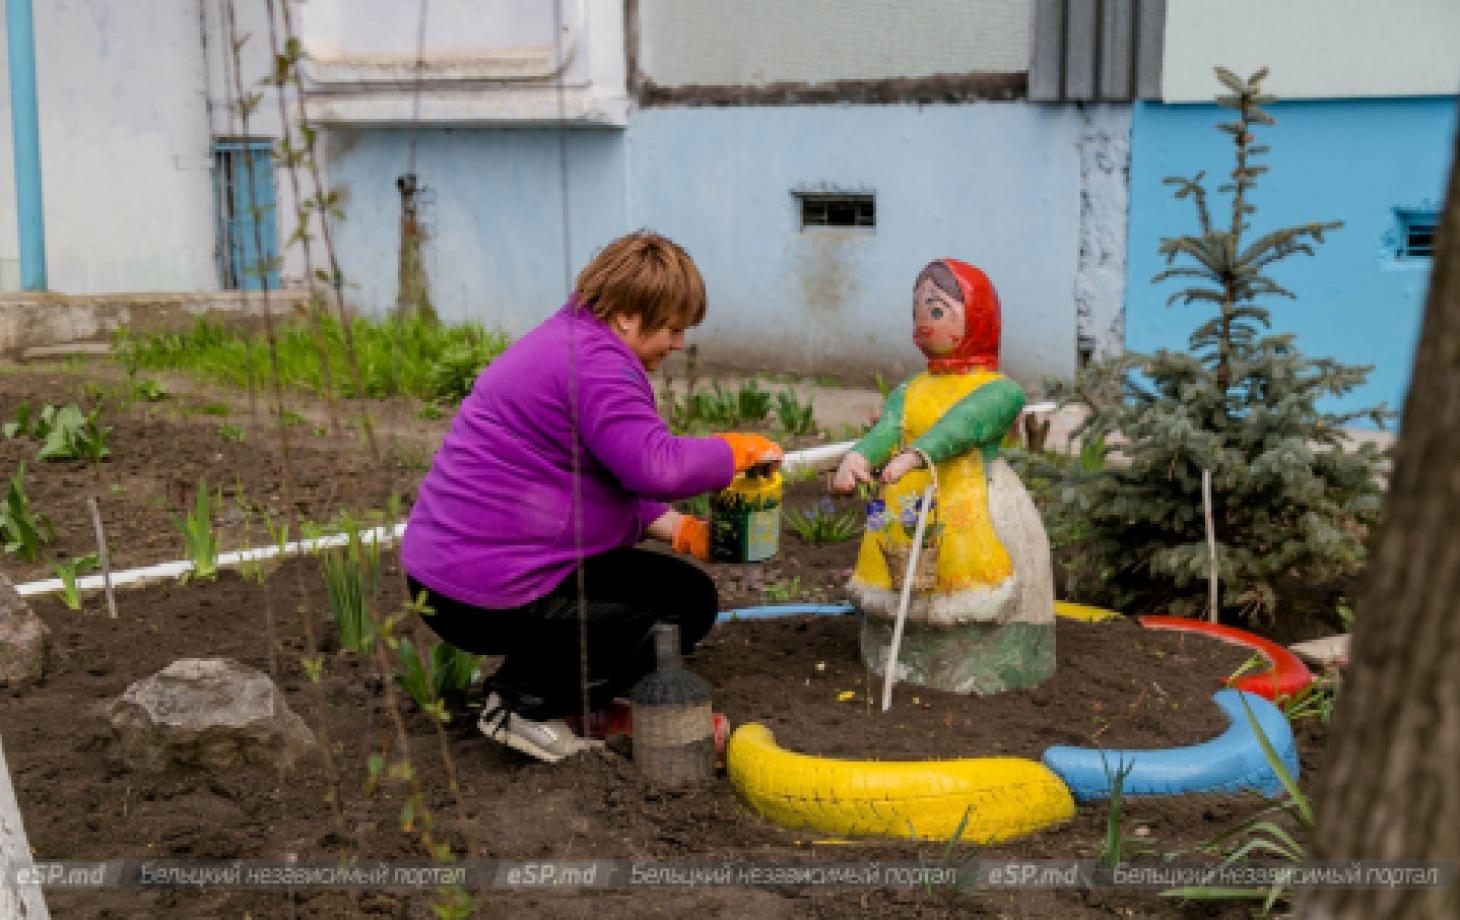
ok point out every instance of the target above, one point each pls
(549, 741)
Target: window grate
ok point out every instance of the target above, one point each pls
(837, 210)
(1417, 234)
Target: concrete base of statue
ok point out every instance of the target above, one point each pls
(965, 648)
(980, 658)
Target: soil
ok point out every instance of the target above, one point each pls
(1116, 686)
(159, 454)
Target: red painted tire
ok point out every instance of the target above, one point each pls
(1286, 675)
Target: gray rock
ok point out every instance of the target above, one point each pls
(207, 712)
(24, 639)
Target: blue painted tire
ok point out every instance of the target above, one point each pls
(1229, 763)
(783, 610)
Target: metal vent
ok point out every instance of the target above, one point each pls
(822, 210)
(1417, 234)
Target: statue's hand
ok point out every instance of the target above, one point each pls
(901, 465)
(854, 469)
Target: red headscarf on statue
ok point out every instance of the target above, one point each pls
(979, 349)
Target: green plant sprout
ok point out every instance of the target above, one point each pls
(417, 683)
(149, 390)
(233, 433)
(824, 523)
(1260, 834)
(23, 530)
(351, 580)
(22, 424)
(68, 573)
(751, 402)
(1112, 848)
(447, 671)
(67, 433)
(198, 535)
(884, 386)
(781, 592)
(796, 418)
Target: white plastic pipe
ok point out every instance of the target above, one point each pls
(889, 670)
(825, 457)
(168, 570)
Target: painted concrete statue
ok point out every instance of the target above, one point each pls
(981, 617)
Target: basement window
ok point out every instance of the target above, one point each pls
(1417, 234)
(820, 211)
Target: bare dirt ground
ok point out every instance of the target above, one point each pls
(1116, 686)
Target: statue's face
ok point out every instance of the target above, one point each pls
(937, 320)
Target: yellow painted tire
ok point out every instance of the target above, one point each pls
(1084, 613)
(1003, 797)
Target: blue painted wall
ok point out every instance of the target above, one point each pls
(997, 184)
(1353, 160)
(994, 184)
(493, 209)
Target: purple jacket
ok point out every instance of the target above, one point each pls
(493, 524)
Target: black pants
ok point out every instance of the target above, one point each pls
(627, 591)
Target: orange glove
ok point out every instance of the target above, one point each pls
(692, 537)
(751, 450)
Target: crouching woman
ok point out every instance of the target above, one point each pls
(555, 466)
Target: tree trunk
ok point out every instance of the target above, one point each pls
(1390, 785)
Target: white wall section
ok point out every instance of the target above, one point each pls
(1316, 49)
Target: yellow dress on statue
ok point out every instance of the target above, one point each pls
(970, 577)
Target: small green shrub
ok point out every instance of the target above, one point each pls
(1290, 496)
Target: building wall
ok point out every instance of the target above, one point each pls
(491, 208)
(758, 42)
(1315, 48)
(124, 149)
(1355, 161)
(721, 182)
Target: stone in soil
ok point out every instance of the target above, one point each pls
(207, 712)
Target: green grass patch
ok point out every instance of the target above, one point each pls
(414, 357)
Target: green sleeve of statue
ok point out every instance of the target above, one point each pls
(979, 420)
(878, 444)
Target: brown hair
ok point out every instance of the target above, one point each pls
(942, 278)
(646, 275)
